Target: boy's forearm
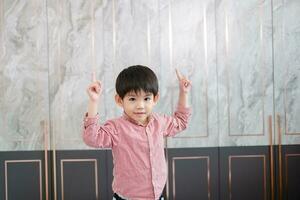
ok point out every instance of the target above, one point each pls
(92, 108)
(183, 99)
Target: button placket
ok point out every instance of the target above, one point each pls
(153, 175)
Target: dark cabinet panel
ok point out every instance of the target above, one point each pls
(193, 173)
(225, 173)
(81, 175)
(245, 173)
(290, 172)
(22, 175)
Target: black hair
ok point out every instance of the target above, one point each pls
(136, 78)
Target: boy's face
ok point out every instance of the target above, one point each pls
(138, 106)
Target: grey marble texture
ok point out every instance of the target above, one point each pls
(23, 74)
(287, 69)
(244, 71)
(241, 56)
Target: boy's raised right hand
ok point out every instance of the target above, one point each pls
(94, 90)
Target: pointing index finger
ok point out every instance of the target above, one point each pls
(94, 77)
(179, 76)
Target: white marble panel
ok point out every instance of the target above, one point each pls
(131, 33)
(193, 53)
(287, 69)
(223, 46)
(23, 74)
(244, 42)
(1, 29)
(163, 60)
(76, 43)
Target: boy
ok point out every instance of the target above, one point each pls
(136, 138)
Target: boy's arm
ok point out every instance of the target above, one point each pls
(178, 122)
(95, 135)
(92, 108)
(99, 136)
(183, 99)
(94, 91)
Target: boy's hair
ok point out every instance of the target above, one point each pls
(136, 78)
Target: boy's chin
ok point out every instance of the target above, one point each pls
(141, 120)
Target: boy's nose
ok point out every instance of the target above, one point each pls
(140, 104)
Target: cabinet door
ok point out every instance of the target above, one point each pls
(190, 46)
(24, 104)
(245, 98)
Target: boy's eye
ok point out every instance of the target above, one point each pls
(131, 99)
(147, 99)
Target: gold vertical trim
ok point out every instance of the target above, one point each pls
(271, 156)
(227, 71)
(167, 162)
(59, 8)
(205, 68)
(171, 65)
(62, 161)
(54, 173)
(279, 155)
(230, 174)
(192, 158)
(262, 66)
(22, 161)
(44, 124)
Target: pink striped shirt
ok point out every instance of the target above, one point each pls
(140, 170)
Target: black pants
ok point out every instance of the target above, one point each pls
(119, 198)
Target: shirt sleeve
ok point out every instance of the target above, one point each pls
(177, 122)
(100, 136)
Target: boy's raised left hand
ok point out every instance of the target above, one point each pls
(184, 83)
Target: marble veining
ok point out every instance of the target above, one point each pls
(241, 56)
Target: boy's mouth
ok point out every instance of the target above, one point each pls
(139, 113)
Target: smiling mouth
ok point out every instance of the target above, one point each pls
(139, 113)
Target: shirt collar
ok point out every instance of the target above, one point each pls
(125, 116)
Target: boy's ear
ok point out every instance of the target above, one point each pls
(118, 100)
(156, 98)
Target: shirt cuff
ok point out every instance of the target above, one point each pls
(90, 120)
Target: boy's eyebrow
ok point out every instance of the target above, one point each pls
(135, 94)
(131, 94)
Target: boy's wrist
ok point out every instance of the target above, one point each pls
(93, 101)
(92, 108)
(183, 92)
(183, 99)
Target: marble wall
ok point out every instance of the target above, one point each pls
(241, 56)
